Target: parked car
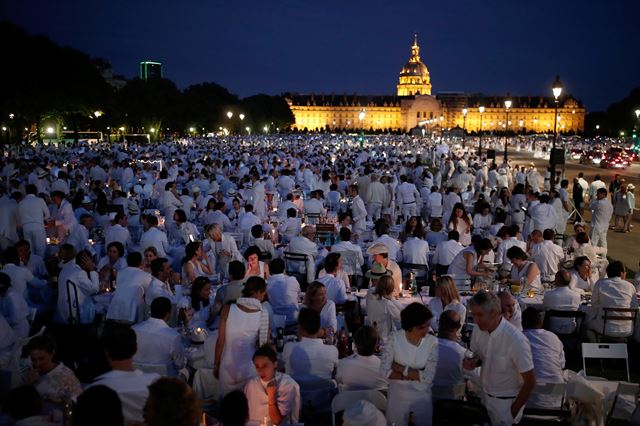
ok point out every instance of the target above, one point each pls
(615, 161)
(632, 154)
(576, 154)
(591, 157)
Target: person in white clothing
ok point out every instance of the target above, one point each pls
(131, 385)
(392, 244)
(32, 215)
(8, 220)
(416, 250)
(407, 197)
(345, 245)
(446, 299)
(446, 251)
(13, 307)
(336, 290)
(309, 358)
(361, 371)
(284, 292)
(601, 212)
(154, 237)
(64, 218)
(595, 186)
(159, 286)
(304, 244)
(159, 344)
(508, 238)
(543, 215)
(271, 395)
(358, 211)
(450, 355)
(507, 375)
(562, 298)
(547, 353)
(119, 232)
(77, 283)
(583, 275)
(547, 256)
(612, 292)
(409, 361)
(131, 284)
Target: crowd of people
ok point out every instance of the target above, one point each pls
(299, 261)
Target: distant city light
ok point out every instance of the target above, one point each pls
(121, 129)
(229, 114)
(152, 130)
(4, 129)
(241, 116)
(50, 130)
(97, 114)
(191, 129)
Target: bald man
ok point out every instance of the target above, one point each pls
(511, 309)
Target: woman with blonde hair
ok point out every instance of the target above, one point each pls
(382, 310)
(446, 299)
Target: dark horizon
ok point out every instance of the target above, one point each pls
(493, 48)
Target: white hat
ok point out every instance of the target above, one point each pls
(194, 189)
(133, 209)
(212, 190)
(86, 200)
(363, 413)
(231, 192)
(378, 248)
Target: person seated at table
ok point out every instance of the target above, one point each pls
(160, 286)
(24, 406)
(380, 255)
(305, 244)
(361, 371)
(131, 385)
(119, 232)
(195, 264)
(187, 231)
(547, 352)
(290, 227)
(585, 248)
(154, 237)
(483, 219)
(171, 402)
(383, 312)
(344, 221)
(22, 279)
(583, 275)
(159, 344)
(53, 380)
(79, 235)
(198, 304)
(271, 394)
(612, 292)
(570, 244)
(31, 261)
(345, 244)
(392, 245)
(450, 356)
(13, 307)
(547, 255)
(131, 284)
(436, 235)
(149, 254)
(254, 265)
(113, 262)
(523, 271)
(335, 287)
(416, 250)
(446, 299)
(498, 222)
(414, 223)
(562, 298)
(446, 251)
(265, 246)
(316, 300)
(508, 238)
(510, 309)
(284, 292)
(409, 361)
(230, 292)
(98, 406)
(234, 409)
(310, 358)
(465, 264)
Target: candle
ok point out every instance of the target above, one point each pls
(48, 240)
(204, 419)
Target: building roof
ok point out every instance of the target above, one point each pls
(496, 101)
(415, 67)
(335, 100)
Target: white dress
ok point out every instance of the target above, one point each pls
(516, 274)
(261, 266)
(458, 266)
(406, 396)
(241, 340)
(288, 397)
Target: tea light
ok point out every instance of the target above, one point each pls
(48, 240)
(90, 241)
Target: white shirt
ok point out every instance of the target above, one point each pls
(132, 387)
(117, 233)
(436, 307)
(344, 246)
(65, 218)
(127, 303)
(336, 290)
(612, 293)
(501, 253)
(547, 256)
(153, 237)
(358, 372)
(287, 394)
(32, 210)
(449, 370)
(601, 214)
(543, 216)
(548, 355)
(359, 213)
(505, 354)
(8, 218)
(562, 299)
(79, 239)
(87, 285)
(20, 277)
(284, 293)
(446, 251)
(406, 193)
(158, 288)
(159, 344)
(310, 358)
(577, 283)
(415, 250)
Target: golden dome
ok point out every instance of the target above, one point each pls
(414, 75)
(414, 69)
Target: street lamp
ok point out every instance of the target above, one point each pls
(637, 113)
(464, 126)
(50, 130)
(556, 87)
(481, 111)
(241, 117)
(361, 117)
(248, 129)
(229, 115)
(507, 105)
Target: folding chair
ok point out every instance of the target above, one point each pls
(312, 218)
(605, 351)
(239, 237)
(576, 316)
(351, 267)
(415, 267)
(630, 391)
(324, 231)
(618, 315)
(293, 262)
(548, 390)
(344, 399)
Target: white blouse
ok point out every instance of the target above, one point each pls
(287, 394)
(423, 357)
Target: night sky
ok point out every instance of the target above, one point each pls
(338, 46)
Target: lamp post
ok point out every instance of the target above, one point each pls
(507, 105)
(556, 87)
(464, 126)
(481, 111)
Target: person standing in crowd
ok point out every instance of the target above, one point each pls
(507, 373)
(601, 211)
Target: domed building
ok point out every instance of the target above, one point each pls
(414, 75)
(414, 106)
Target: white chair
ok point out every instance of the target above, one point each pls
(239, 237)
(624, 403)
(344, 399)
(605, 351)
(316, 394)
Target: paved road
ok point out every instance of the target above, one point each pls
(624, 247)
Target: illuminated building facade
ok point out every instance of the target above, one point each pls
(414, 106)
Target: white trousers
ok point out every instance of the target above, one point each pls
(36, 236)
(408, 210)
(599, 237)
(375, 210)
(500, 411)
